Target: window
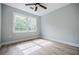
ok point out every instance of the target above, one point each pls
(24, 23)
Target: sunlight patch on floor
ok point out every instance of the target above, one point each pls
(31, 49)
(43, 42)
(24, 46)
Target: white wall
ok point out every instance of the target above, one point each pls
(7, 26)
(0, 23)
(62, 25)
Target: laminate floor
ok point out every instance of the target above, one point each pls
(39, 47)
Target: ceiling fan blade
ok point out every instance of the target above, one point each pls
(36, 8)
(43, 6)
(30, 4)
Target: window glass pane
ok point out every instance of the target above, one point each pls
(20, 23)
(32, 24)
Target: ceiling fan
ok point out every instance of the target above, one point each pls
(36, 6)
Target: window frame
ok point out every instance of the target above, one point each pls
(14, 23)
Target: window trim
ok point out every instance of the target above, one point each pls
(14, 21)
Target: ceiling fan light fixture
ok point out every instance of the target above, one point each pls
(31, 8)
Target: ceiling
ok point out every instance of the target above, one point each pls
(40, 11)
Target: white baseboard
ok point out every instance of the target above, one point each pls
(69, 43)
(15, 41)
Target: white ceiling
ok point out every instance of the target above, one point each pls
(40, 11)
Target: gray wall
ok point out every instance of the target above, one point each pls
(7, 25)
(62, 24)
(0, 23)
